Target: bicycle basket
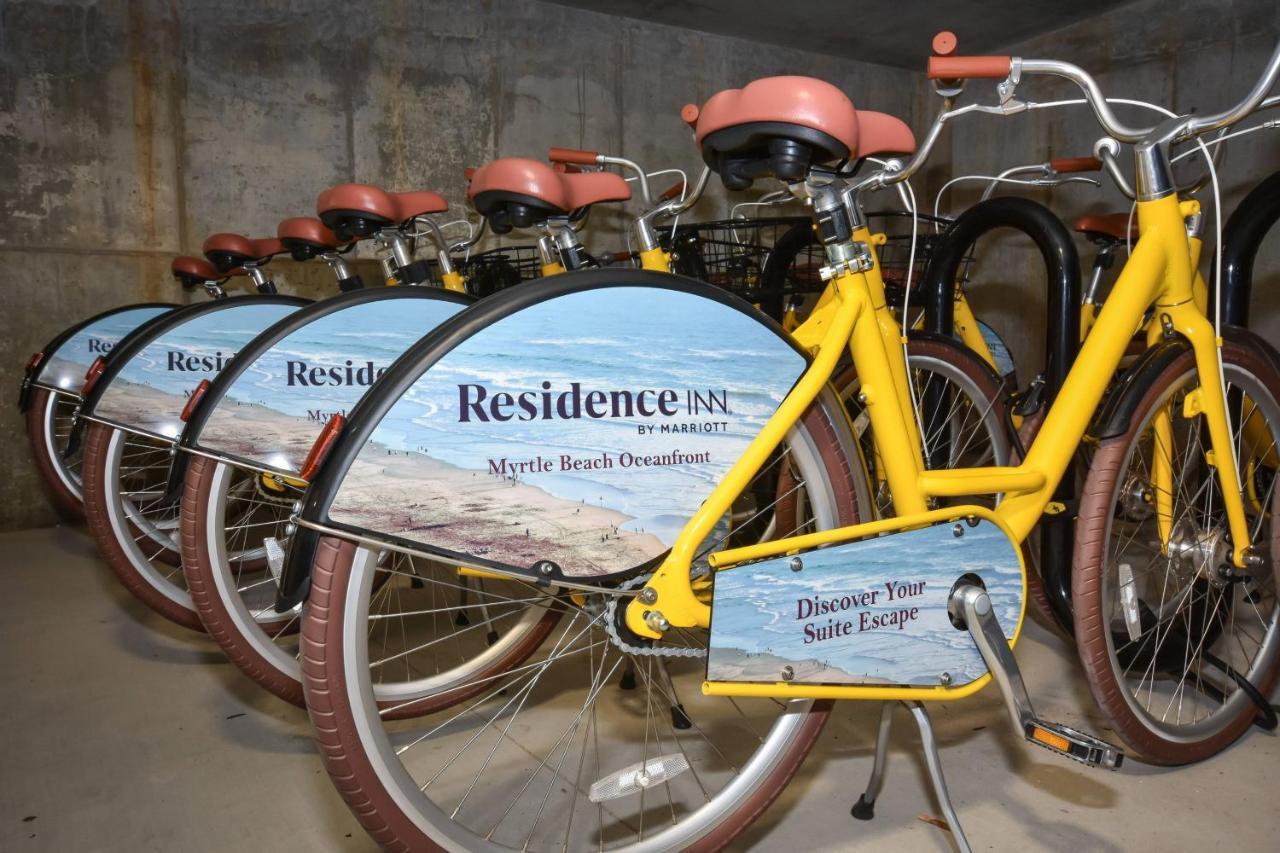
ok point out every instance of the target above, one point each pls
(497, 269)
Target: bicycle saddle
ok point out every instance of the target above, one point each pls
(1106, 227)
(229, 252)
(306, 237)
(193, 272)
(355, 211)
(783, 125)
(514, 192)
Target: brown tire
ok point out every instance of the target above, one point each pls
(983, 386)
(336, 710)
(1102, 507)
(214, 614)
(42, 416)
(114, 535)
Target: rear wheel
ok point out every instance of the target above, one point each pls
(227, 511)
(50, 416)
(134, 525)
(514, 768)
(1179, 649)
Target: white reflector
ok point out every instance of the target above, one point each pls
(637, 777)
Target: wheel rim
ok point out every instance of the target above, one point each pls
(1179, 614)
(248, 597)
(968, 426)
(58, 419)
(525, 810)
(144, 524)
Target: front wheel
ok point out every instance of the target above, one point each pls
(541, 757)
(1179, 649)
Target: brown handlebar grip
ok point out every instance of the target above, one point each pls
(672, 192)
(689, 114)
(572, 155)
(469, 172)
(945, 43)
(1066, 165)
(969, 67)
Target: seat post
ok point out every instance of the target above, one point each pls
(260, 279)
(568, 248)
(394, 241)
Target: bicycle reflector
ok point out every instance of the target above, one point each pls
(194, 400)
(35, 359)
(324, 443)
(92, 375)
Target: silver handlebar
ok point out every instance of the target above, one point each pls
(1192, 125)
(897, 171)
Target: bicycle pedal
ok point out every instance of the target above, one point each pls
(1075, 745)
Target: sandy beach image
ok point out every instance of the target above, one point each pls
(728, 664)
(493, 517)
(871, 611)
(61, 373)
(142, 407)
(238, 429)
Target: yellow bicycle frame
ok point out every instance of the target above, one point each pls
(1158, 273)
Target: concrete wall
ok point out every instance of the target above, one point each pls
(131, 130)
(1199, 55)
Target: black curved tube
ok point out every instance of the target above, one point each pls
(1241, 238)
(1062, 342)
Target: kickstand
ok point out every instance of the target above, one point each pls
(864, 809)
(935, 774)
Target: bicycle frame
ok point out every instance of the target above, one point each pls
(1158, 273)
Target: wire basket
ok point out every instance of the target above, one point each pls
(776, 261)
(730, 253)
(497, 269)
(895, 254)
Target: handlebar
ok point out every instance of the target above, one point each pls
(1069, 165)
(573, 156)
(953, 69)
(969, 67)
(959, 67)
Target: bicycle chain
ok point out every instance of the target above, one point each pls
(610, 614)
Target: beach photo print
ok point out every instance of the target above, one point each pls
(151, 390)
(867, 612)
(277, 405)
(65, 367)
(583, 430)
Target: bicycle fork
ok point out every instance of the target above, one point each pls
(969, 608)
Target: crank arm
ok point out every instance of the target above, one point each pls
(970, 609)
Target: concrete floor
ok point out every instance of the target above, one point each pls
(120, 732)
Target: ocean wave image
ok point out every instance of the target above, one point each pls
(65, 367)
(150, 391)
(869, 612)
(275, 408)
(591, 456)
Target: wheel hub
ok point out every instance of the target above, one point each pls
(1201, 553)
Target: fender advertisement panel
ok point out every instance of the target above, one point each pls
(584, 430)
(149, 392)
(65, 367)
(867, 612)
(273, 410)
